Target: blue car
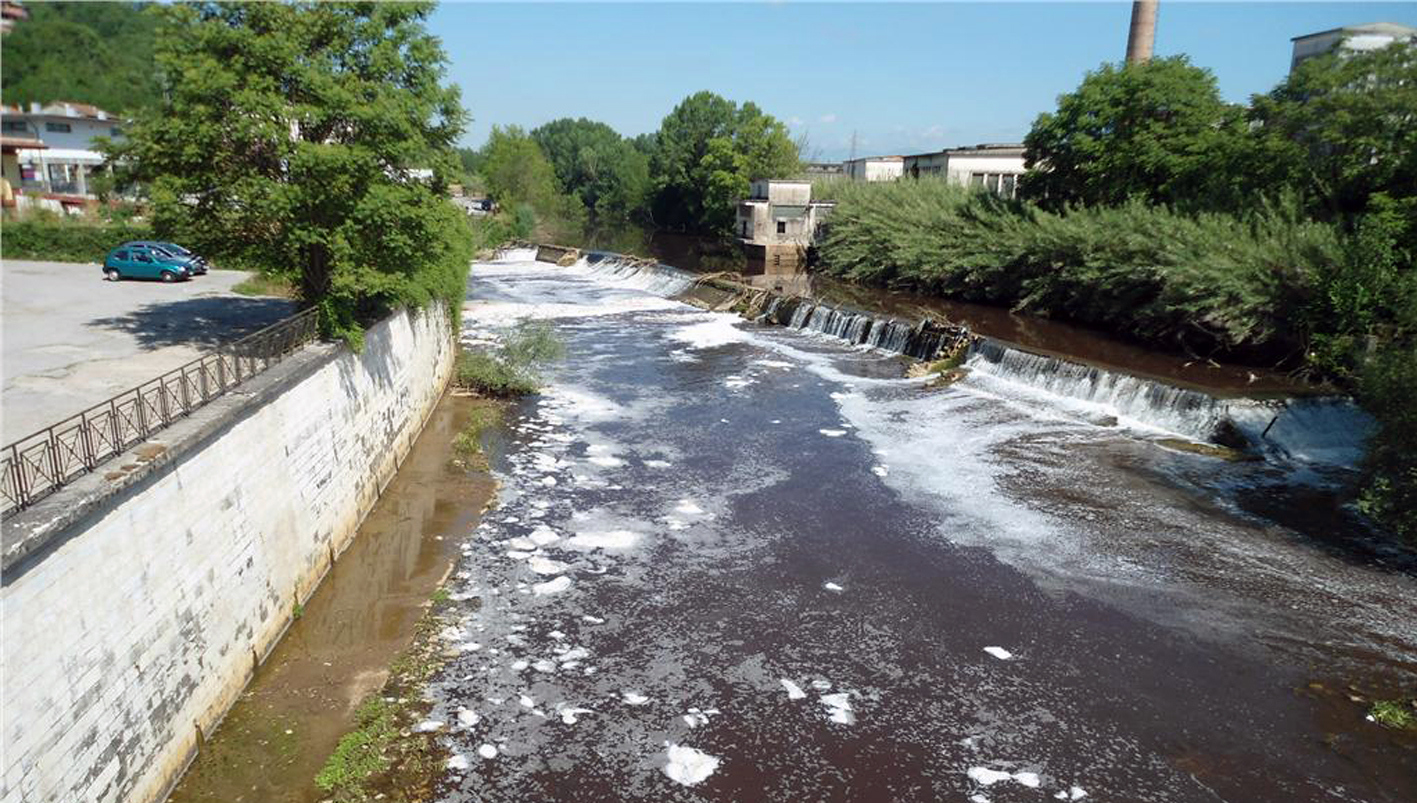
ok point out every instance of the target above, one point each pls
(124, 262)
(172, 252)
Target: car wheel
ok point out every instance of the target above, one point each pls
(169, 276)
(112, 274)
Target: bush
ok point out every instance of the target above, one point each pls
(1390, 495)
(513, 369)
(1206, 281)
(63, 240)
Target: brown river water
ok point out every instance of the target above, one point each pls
(732, 561)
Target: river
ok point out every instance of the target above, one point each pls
(733, 561)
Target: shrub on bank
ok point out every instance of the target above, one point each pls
(514, 368)
(1197, 282)
(63, 240)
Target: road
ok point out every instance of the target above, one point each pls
(72, 340)
(740, 563)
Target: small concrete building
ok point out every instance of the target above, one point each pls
(1351, 38)
(874, 168)
(67, 130)
(992, 166)
(778, 221)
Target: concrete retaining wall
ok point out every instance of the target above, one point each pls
(131, 628)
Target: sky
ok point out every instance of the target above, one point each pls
(901, 78)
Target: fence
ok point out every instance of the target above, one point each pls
(34, 467)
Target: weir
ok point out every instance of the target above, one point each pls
(1326, 430)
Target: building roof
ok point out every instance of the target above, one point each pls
(59, 109)
(876, 159)
(1391, 28)
(10, 144)
(982, 149)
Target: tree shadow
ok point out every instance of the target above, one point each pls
(201, 322)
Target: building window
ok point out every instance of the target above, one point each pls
(976, 179)
(58, 128)
(1009, 185)
(15, 127)
(782, 227)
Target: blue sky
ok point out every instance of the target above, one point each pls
(905, 78)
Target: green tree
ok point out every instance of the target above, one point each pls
(595, 164)
(517, 170)
(1343, 127)
(707, 151)
(97, 53)
(289, 136)
(1155, 130)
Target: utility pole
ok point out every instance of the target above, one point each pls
(1142, 35)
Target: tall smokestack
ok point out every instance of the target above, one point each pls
(1142, 35)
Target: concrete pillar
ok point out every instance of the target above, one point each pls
(1142, 35)
(83, 179)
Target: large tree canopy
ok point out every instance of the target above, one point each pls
(1154, 130)
(707, 151)
(594, 163)
(98, 53)
(294, 136)
(1343, 127)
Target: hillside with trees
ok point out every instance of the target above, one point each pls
(97, 53)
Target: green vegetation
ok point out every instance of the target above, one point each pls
(514, 368)
(259, 285)
(1283, 232)
(320, 193)
(96, 53)
(1154, 131)
(707, 151)
(570, 174)
(1398, 714)
(604, 171)
(64, 239)
(467, 444)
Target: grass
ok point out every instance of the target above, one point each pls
(1396, 714)
(382, 758)
(259, 285)
(467, 444)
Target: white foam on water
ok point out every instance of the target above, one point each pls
(609, 540)
(832, 433)
(999, 652)
(468, 718)
(987, 777)
(506, 313)
(552, 586)
(542, 565)
(458, 763)
(880, 471)
(833, 587)
(775, 364)
(794, 692)
(978, 799)
(688, 766)
(633, 698)
(688, 507)
(594, 620)
(719, 331)
(839, 707)
(428, 726)
(571, 716)
(1029, 779)
(487, 751)
(522, 544)
(605, 461)
(543, 535)
(658, 463)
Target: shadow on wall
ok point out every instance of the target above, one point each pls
(200, 322)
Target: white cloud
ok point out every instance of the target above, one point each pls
(829, 118)
(794, 121)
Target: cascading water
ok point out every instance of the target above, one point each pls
(1319, 430)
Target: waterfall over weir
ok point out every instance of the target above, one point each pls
(1309, 430)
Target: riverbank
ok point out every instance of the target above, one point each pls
(339, 650)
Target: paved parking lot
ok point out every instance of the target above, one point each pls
(72, 340)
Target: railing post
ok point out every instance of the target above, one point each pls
(56, 473)
(142, 414)
(86, 435)
(117, 444)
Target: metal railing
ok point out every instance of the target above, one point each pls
(34, 467)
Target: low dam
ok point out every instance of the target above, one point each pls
(140, 607)
(736, 559)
